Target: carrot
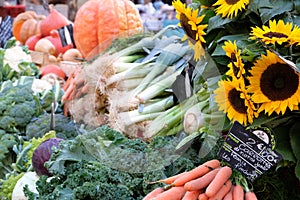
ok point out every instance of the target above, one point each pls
(250, 195)
(229, 196)
(68, 93)
(191, 195)
(174, 193)
(67, 83)
(154, 193)
(169, 180)
(222, 192)
(201, 182)
(202, 196)
(220, 179)
(238, 192)
(197, 172)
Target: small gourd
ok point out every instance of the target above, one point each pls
(26, 24)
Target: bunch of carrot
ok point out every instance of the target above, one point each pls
(74, 87)
(208, 181)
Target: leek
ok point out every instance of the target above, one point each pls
(157, 88)
(168, 56)
(174, 116)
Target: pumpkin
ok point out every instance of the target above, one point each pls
(53, 21)
(98, 22)
(26, 24)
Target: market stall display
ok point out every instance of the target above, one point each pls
(206, 109)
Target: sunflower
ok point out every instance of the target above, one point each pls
(230, 8)
(232, 98)
(274, 85)
(294, 37)
(275, 33)
(191, 24)
(236, 66)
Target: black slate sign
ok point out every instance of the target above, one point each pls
(248, 152)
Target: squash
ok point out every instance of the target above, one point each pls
(72, 55)
(44, 45)
(52, 69)
(54, 20)
(26, 25)
(32, 40)
(98, 22)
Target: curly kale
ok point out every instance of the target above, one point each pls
(64, 127)
(92, 180)
(124, 171)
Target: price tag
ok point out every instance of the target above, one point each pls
(66, 35)
(249, 151)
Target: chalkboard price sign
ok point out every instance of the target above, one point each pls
(248, 151)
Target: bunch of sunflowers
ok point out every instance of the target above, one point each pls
(255, 45)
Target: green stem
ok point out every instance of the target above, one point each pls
(156, 89)
(129, 120)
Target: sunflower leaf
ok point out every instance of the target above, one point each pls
(297, 170)
(271, 8)
(216, 22)
(295, 140)
(283, 145)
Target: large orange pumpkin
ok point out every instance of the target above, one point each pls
(99, 22)
(26, 24)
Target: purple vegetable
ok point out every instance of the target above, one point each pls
(42, 154)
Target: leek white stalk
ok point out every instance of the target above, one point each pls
(129, 84)
(129, 120)
(174, 116)
(148, 112)
(134, 72)
(194, 118)
(157, 88)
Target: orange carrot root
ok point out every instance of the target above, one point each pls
(197, 172)
(238, 192)
(191, 195)
(220, 179)
(202, 196)
(229, 195)
(174, 193)
(201, 182)
(223, 191)
(169, 180)
(250, 195)
(154, 193)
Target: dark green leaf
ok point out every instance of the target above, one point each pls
(217, 22)
(297, 170)
(283, 145)
(297, 5)
(269, 9)
(295, 139)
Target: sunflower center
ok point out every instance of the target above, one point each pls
(235, 68)
(274, 34)
(231, 2)
(279, 82)
(237, 103)
(184, 22)
(233, 57)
